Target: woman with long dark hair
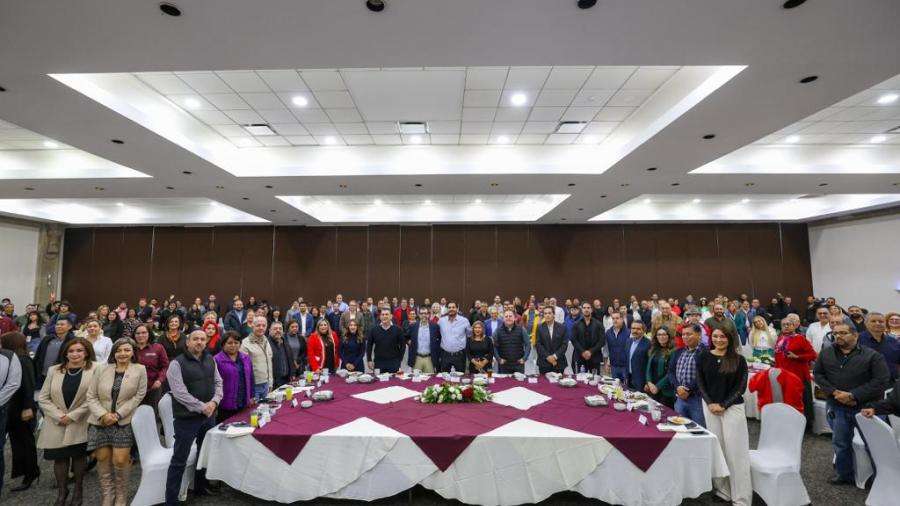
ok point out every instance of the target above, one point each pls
(658, 385)
(722, 380)
(63, 401)
(173, 339)
(34, 330)
(20, 416)
(155, 361)
(130, 322)
(112, 326)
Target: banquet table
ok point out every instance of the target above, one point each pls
(533, 440)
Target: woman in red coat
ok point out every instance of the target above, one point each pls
(322, 348)
(793, 353)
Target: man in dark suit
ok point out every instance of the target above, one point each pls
(588, 339)
(551, 343)
(235, 318)
(307, 323)
(638, 351)
(424, 339)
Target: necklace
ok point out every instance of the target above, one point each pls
(76, 373)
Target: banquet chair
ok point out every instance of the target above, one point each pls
(775, 464)
(820, 418)
(886, 453)
(155, 461)
(861, 460)
(895, 424)
(167, 417)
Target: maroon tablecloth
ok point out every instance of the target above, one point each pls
(444, 431)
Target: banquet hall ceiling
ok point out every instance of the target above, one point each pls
(605, 112)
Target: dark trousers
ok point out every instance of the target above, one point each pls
(3, 412)
(387, 365)
(453, 360)
(809, 409)
(152, 399)
(21, 442)
(512, 366)
(187, 430)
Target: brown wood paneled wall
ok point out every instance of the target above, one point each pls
(465, 262)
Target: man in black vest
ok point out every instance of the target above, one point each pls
(588, 339)
(196, 389)
(511, 344)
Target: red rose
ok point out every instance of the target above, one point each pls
(468, 393)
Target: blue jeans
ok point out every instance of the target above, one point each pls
(691, 408)
(187, 430)
(621, 373)
(260, 390)
(842, 420)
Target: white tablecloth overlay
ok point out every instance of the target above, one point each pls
(521, 462)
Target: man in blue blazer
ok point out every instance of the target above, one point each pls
(424, 339)
(306, 321)
(493, 323)
(617, 338)
(638, 350)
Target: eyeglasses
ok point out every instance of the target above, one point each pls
(841, 333)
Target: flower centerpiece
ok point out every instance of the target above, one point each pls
(447, 393)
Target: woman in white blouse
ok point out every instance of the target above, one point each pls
(102, 344)
(762, 338)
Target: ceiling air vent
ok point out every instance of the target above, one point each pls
(258, 129)
(570, 127)
(413, 127)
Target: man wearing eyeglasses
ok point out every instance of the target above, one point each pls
(852, 376)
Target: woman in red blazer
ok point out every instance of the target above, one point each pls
(322, 348)
(793, 353)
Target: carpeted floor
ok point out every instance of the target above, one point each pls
(816, 470)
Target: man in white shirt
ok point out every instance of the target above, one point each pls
(559, 315)
(817, 330)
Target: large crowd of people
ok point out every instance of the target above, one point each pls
(84, 377)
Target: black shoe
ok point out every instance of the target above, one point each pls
(26, 483)
(205, 491)
(837, 480)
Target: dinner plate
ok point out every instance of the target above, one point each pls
(678, 420)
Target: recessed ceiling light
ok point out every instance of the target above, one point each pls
(99, 188)
(477, 201)
(342, 186)
(586, 4)
(494, 185)
(696, 201)
(295, 219)
(808, 79)
(823, 184)
(427, 202)
(749, 184)
(29, 188)
(245, 198)
(648, 201)
(503, 139)
(790, 4)
(581, 209)
(2, 89)
(676, 184)
(117, 141)
(878, 139)
(624, 185)
(330, 141)
(518, 99)
(890, 98)
(744, 201)
(602, 196)
(709, 136)
(220, 187)
(299, 101)
(415, 139)
(418, 185)
(269, 186)
(214, 203)
(169, 9)
(50, 145)
(192, 103)
(187, 172)
(791, 139)
(327, 202)
(651, 169)
(375, 5)
(272, 211)
(378, 202)
(170, 187)
(571, 184)
(120, 204)
(562, 219)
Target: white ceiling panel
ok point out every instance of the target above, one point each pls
(567, 78)
(526, 78)
(323, 80)
(204, 82)
(282, 80)
(243, 81)
(486, 78)
(347, 115)
(407, 95)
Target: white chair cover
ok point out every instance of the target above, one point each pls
(775, 464)
(155, 461)
(820, 421)
(886, 454)
(167, 418)
(895, 424)
(861, 460)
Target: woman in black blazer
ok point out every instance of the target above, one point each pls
(20, 419)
